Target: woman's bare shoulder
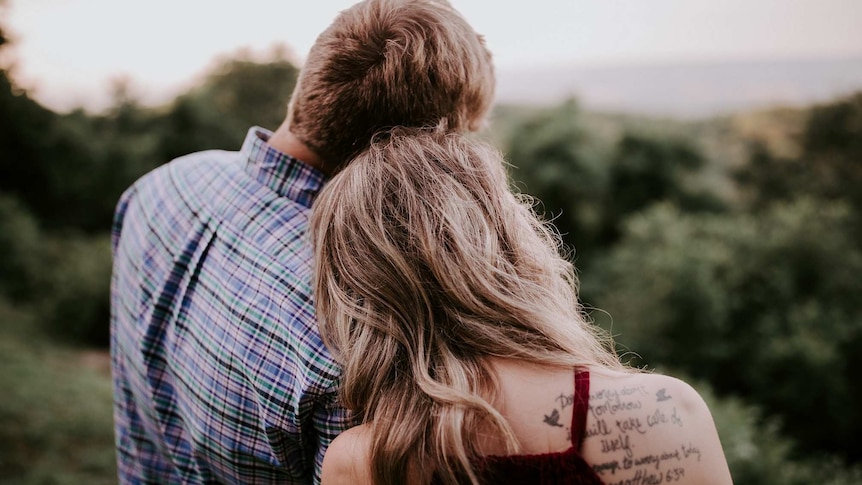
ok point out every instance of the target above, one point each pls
(347, 458)
(651, 428)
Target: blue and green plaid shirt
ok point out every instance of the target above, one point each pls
(219, 372)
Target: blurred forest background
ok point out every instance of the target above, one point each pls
(725, 251)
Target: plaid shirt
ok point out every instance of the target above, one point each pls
(219, 372)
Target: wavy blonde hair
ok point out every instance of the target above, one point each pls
(426, 265)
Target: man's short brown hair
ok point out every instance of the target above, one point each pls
(386, 63)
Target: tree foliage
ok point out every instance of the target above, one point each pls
(828, 163)
(556, 160)
(759, 454)
(19, 240)
(756, 295)
(588, 186)
(759, 305)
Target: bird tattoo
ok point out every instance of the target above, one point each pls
(553, 419)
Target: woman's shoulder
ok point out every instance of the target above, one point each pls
(651, 428)
(642, 388)
(347, 458)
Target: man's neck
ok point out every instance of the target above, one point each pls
(286, 142)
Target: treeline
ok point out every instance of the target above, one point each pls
(726, 251)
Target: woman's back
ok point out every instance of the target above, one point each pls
(550, 438)
(647, 428)
(638, 428)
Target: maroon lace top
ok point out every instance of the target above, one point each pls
(564, 467)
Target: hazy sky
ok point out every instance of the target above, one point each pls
(68, 50)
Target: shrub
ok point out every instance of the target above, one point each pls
(763, 306)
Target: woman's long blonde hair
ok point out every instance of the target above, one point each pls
(426, 265)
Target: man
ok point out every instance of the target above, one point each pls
(219, 371)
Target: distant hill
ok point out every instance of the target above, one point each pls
(694, 90)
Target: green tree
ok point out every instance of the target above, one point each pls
(827, 162)
(645, 170)
(556, 160)
(238, 94)
(764, 306)
(250, 93)
(19, 245)
(832, 145)
(588, 185)
(759, 454)
(23, 166)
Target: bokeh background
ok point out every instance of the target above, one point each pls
(702, 158)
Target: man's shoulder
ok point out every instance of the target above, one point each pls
(191, 184)
(197, 168)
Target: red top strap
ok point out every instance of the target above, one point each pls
(560, 468)
(581, 402)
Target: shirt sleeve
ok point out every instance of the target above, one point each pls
(138, 458)
(120, 217)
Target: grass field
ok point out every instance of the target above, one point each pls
(55, 409)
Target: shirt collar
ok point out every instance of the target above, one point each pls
(288, 176)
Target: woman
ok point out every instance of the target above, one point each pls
(466, 355)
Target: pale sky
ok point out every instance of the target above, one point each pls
(67, 51)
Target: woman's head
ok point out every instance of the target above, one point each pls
(426, 264)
